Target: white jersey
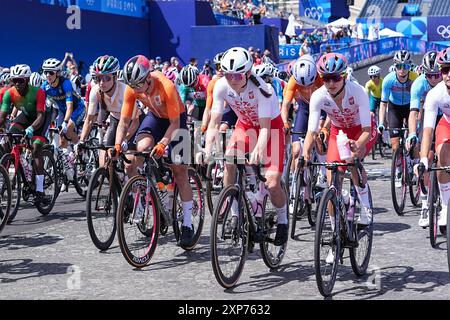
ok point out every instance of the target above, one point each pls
(355, 108)
(250, 105)
(113, 103)
(437, 98)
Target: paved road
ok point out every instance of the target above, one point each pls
(52, 257)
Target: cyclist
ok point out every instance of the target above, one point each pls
(439, 98)
(259, 123)
(165, 117)
(5, 84)
(304, 81)
(108, 92)
(33, 119)
(36, 80)
(347, 105)
(71, 107)
(193, 91)
(396, 95)
(419, 90)
(373, 88)
(265, 71)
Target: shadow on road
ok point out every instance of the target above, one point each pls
(29, 269)
(25, 241)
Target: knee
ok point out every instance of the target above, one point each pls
(272, 184)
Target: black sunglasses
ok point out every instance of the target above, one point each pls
(50, 73)
(18, 80)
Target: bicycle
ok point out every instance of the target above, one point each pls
(434, 199)
(102, 198)
(333, 234)
(23, 179)
(404, 159)
(232, 239)
(156, 191)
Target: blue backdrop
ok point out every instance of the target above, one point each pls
(44, 34)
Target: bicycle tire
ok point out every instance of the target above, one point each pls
(123, 217)
(242, 234)
(399, 206)
(101, 242)
(326, 287)
(433, 203)
(198, 209)
(7, 161)
(5, 187)
(447, 230)
(210, 186)
(49, 179)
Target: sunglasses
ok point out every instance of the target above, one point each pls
(18, 80)
(332, 77)
(234, 76)
(445, 70)
(435, 76)
(104, 78)
(49, 73)
(403, 66)
(374, 77)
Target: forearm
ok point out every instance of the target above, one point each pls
(174, 125)
(87, 127)
(39, 121)
(364, 137)
(285, 110)
(122, 129)
(309, 143)
(412, 121)
(383, 106)
(134, 125)
(69, 111)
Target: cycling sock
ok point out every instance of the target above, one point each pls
(40, 183)
(363, 194)
(444, 189)
(424, 199)
(322, 158)
(187, 213)
(282, 215)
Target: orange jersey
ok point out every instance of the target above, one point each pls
(294, 90)
(209, 92)
(163, 99)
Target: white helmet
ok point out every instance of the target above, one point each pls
(402, 56)
(392, 68)
(263, 70)
(35, 79)
(374, 71)
(51, 64)
(429, 62)
(305, 71)
(188, 76)
(20, 71)
(236, 60)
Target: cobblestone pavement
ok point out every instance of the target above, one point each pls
(53, 257)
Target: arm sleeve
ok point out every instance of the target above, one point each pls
(364, 108)
(68, 89)
(93, 101)
(218, 98)
(431, 110)
(416, 96)
(40, 101)
(129, 101)
(289, 90)
(267, 105)
(386, 89)
(314, 112)
(6, 103)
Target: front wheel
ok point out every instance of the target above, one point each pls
(229, 237)
(51, 188)
(7, 161)
(434, 206)
(137, 222)
(398, 177)
(5, 197)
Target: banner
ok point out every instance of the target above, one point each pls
(319, 10)
(223, 20)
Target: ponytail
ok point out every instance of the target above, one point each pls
(256, 83)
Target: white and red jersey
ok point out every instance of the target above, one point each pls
(354, 112)
(437, 98)
(250, 105)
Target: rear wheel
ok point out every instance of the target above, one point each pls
(434, 206)
(5, 197)
(214, 183)
(7, 162)
(397, 175)
(51, 188)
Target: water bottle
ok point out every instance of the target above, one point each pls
(170, 187)
(163, 194)
(70, 162)
(343, 146)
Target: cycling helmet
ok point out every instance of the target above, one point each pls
(283, 75)
(217, 58)
(444, 57)
(392, 68)
(236, 60)
(332, 63)
(170, 74)
(4, 77)
(51, 64)
(289, 67)
(120, 76)
(35, 79)
(402, 56)
(136, 70)
(263, 70)
(188, 76)
(305, 71)
(20, 71)
(106, 65)
(374, 71)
